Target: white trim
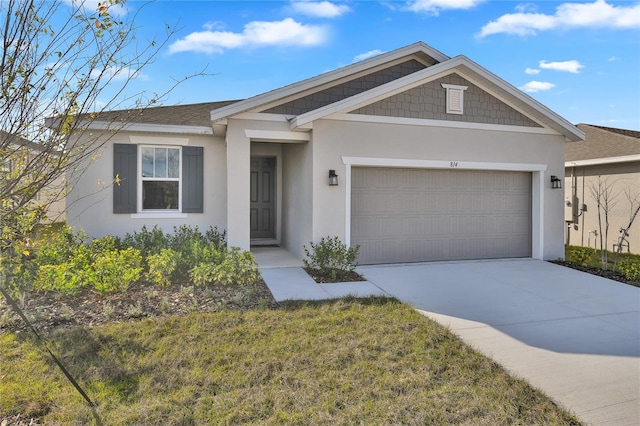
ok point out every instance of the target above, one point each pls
(159, 215)
(606, 160)
(537, 187)
(440, 123)
(276, 136)
(140, 182)
(439, 164)
(454, 90)
(149, 128)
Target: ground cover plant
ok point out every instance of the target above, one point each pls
(627, 269)
(373, 361)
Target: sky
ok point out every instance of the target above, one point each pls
(581, 59)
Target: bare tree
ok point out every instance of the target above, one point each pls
(602, 191)
(634, 209)
(64, 60)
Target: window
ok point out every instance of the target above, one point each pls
(455, 98)
(160, 178)
(157, 179)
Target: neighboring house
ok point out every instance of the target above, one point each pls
(610, 157)
(432, 157)
(17, 151)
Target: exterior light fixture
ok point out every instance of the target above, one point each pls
(556, 183)
(333, 178)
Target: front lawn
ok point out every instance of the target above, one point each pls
(373, 361)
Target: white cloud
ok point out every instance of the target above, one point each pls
(613, 59)
(566, 66)
(321, 9)
(91, 6)
(367, 55)
(435, 6)
(118, 74)
(532, 71)
(257, 33)
(536, 86)
(598, 14)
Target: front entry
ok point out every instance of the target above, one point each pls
(263, 198)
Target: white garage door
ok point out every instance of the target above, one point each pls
(420, 215)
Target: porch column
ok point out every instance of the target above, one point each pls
(238, 186)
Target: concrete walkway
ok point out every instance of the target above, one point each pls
(573, 335)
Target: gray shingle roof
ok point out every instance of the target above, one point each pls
(603, 142)
(182, 115)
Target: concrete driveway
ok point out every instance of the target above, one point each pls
(573, 335)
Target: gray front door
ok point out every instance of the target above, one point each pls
(263, 197)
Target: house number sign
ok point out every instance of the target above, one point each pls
(453, 164)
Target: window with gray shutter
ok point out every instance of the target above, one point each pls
(192, 179)
(125, 162)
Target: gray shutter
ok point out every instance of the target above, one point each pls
(125, 164)
(192, 179)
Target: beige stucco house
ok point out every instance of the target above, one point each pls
(610, 157)
(412, 154)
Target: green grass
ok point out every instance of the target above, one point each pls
(373, 361)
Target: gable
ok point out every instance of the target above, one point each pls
(342, 91)
(428, 101)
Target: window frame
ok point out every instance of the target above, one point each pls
(141, 179)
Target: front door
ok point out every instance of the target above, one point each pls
(263, 197)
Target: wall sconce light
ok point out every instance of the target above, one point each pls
(556, 183)
(333, 178)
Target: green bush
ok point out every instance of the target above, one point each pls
(237, 267)
(67, 277)
(115, 270)
(331, 258)
(146, 241)
(162, 266)
(630, 269)
(580, 255)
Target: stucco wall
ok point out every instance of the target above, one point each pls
(334, 139)
(297, 197)
(89, 204)
(619, 178)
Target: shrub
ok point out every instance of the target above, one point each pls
(162, 266)
(237, 267)
(67, 277)
(331, 258)
(580, 255)
(630, 269)
(146, 241)
(115, 270)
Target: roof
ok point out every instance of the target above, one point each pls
(603, 142)
(203, 117)
(182, 115)
(18, 141)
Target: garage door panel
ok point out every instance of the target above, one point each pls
(414, 215)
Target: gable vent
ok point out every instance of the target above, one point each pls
(455, 98)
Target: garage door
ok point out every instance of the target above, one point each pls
(420, 215)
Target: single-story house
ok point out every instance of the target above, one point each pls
(412, 154)
(609, 157)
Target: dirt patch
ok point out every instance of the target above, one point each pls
(47, 311)
(616, 276)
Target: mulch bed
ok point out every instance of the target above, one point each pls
(50, 310)
(616, 276)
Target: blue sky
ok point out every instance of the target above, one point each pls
(579, 58)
